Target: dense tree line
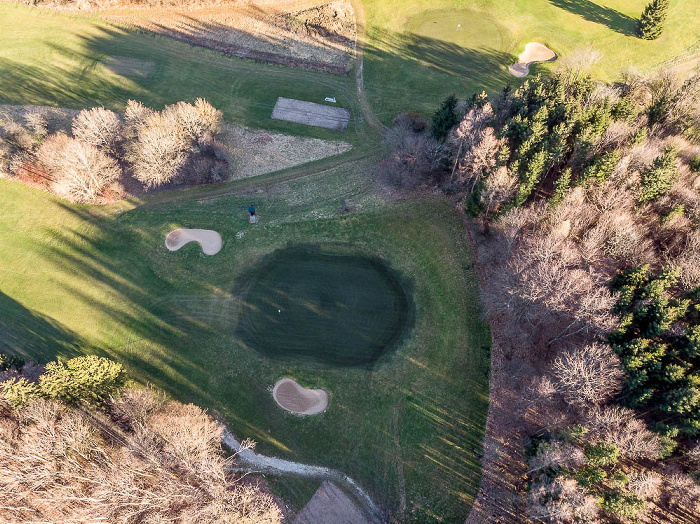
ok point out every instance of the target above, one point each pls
(586, 199)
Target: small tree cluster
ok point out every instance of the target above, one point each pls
(162, 462)
(90, 378)
(87, 159)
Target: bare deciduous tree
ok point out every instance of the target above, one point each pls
(80, 171)
(588, 375)
(620, 426)
(98, 127)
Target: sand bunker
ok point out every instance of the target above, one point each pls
(534, 52)
(209, 240)
(293, 397)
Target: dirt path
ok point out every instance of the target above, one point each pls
(250, 461)
(365, 107)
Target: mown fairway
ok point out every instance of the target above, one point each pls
(420, 51)
(78, 279)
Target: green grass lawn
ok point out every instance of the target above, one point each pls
(417, 54)
(79, 279)
(55, 59)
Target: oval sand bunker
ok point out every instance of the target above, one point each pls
(534, 52)
(209, 240)
(294, 397)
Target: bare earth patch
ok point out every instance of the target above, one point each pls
(311, 34)
(294, 397)
(209, 240)
(255, 152)
(311, 114)
(330, 505)
(534, 52)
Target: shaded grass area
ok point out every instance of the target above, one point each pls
(48, 58)
(324, 303)
(410, 66)
(104, 282)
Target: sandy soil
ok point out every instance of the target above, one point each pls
(293, 397)
(534, 52)
(209, 240)
(330, 505)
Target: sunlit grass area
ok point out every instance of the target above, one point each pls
(56, 59)
(421, 51)
(79, 279)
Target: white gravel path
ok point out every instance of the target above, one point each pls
(248, 460)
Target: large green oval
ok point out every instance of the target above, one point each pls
(323, 304)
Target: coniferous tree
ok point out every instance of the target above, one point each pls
(445, 118)
(652, 20)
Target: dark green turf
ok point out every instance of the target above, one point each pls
(323, 303)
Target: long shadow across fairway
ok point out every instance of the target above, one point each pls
(606, 16)
(410, 72)
(27, 333)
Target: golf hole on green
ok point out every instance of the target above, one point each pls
(324, 303)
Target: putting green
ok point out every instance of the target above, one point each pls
(323, 304)
(465, 28)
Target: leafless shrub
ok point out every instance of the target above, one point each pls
(579, 61)
(412, 158)
(588, 375)
(98, 127)
(645, 484)
(473, 147)
(682, 494)
(169, 146)
(37, 122)
(135, 115)
(499, 188)
(561, 500)
(200, 121)
(620, 426)
(80, 172)
(556, 455)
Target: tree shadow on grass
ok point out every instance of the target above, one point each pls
(613, 19)
(405, 71)
(31, 335)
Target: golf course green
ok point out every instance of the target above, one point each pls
(315, 303)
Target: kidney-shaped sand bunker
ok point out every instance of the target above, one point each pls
(307, 302)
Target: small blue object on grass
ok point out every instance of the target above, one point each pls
(252, 217)
(330, 99)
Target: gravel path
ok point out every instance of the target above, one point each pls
(248, 460)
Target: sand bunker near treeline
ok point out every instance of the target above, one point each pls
(296, 398)
(534, 52)
(209, 240)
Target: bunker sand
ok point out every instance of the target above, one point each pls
(296, 398)
(534, 52)
(209, 240)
